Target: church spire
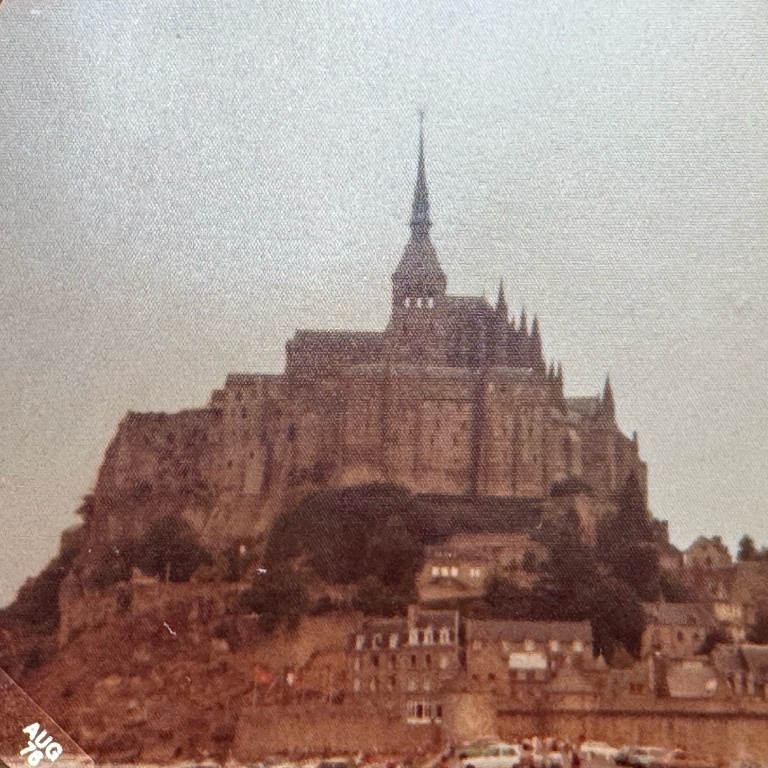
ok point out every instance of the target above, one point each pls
(420, 221)
(419, 277)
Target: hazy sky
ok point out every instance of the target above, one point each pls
(183, 183)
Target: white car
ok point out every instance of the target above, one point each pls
(598, 749)
(499, 755)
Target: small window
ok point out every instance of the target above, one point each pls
(529, 645)
(393, 642)
(418, 303)
(445, 571)
(435, 571)
(375, 659)
(430, 303)
(428, 661)
(578, 646)
(445, 661)
(407, 303)
(413, 661)
(554, 646)
(454, 571)
(680, 637)
(360, 642)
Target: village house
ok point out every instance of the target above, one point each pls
(458, 568)
(675, 630)
(707, 553)
(407, 659)
(514, 656)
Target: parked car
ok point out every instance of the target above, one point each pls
(639, 757)
(679, 758)
(497, 755)
(598, 749)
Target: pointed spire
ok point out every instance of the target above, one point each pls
(501, 303)
(551, 372)
(609, 407)
(420, 221)
(535, 332)
(524, 322)
(559, 376)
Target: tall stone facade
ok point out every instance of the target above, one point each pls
(452, 397)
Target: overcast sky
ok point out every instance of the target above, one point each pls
(183, 183)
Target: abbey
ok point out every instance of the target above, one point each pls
(452, 397)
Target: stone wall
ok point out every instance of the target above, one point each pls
(330, 729)
(723, 735)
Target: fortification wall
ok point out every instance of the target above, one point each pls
(313, 729)
(721, 735)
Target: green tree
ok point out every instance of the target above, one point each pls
(170, 550)
(714, 637)
(758, 633)
(278, 596)
(747, 549)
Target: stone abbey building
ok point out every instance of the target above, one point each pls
(452, 397)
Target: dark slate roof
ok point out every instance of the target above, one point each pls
(678, 614)
(317, 351)
(540, 631)
(583, 406)
(422, 618)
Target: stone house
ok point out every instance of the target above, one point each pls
(458, 568)
(409, 660)
(707, 553)
(675, 630)
(511, 657)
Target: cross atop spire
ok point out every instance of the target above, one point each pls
(420, 221)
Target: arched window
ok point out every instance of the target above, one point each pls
(407, 303)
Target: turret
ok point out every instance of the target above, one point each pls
(502, 310)
(607, 406)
